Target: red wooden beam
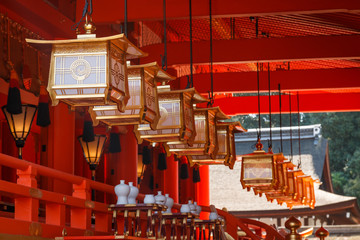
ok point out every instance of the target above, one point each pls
(293, 80)
(262, 50)
(113, 10)
(39, 17)
(327, 102)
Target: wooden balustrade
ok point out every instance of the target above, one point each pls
(71, 214)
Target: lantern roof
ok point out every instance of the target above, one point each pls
(196, 96)
(237, 127)
(154, 68)
(131, 50)
(259, 152)
(220, 115)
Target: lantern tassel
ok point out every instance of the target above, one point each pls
(162, 159)
(13, 104)
(184, 171)
(196, 174)
(146, 153)
(88, 131)
(114, 145)
(43, 116)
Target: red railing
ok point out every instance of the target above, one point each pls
(71, 214)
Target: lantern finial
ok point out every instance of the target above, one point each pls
(89, 26)
(293, 224)
(259, 145)
(321, 233)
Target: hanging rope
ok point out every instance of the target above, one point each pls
(281, 139)
(164, 58)
(270, 145)
(191, 47)
(298, 107)
(87, 10)
(291, 148)
(125, 19)
(258, 88)
(211, 93)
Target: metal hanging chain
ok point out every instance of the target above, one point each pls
(291, 148)
(270, 145)
(191, 46)
(164, 58)
(258, 88)
(211, 93)
(281, 139)
(87, 10)
(125, 19)
(298, 106)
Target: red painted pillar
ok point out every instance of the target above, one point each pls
(171, 178)
(62, 144)
(203, 189)
(123, 165)
(187, 189)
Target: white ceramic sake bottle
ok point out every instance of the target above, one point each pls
(134, 191)
(160, 199)
(169, 203)
(122, 191)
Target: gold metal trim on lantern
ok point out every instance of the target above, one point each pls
(143, 107)
(258, 168)
(226, 153)
(205, 141)
(89, 71)
(176, 121)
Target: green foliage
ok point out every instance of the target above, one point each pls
(339, 180)
(352, 188)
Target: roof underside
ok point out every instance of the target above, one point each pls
(310, 47)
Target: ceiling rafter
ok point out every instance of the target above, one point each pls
(262, 50)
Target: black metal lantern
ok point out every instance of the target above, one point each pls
(93, 151)
(20, 124)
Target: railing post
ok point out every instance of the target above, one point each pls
(103, 222)
(293, 224)
(81, 217)
(321, 233)
(27, 208)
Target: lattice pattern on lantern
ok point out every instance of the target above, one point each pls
(226, 154)
(287, 188)
(142, 106)
(279, 177)
(89, 71)
(257, 168)
(176, 121)
(205, 141)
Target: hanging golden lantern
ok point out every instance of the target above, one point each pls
(205, 141)
(309, 193)
(176, 121)
(292, 189)
(89, 71)
(142, 106)
(226, 153)
(258, 169)
(275, 189)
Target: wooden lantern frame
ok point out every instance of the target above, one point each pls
(142, 107)
(176, 121)
(226, 154)
(205, 141)
(258, 177)
(89, 71)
